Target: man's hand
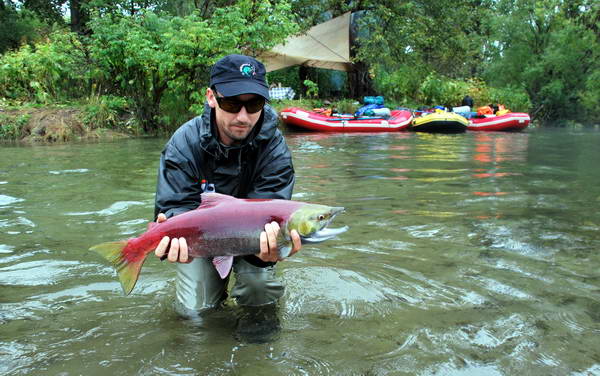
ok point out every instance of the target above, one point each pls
(269, 252)
(177, 252)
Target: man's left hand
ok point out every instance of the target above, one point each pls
(269, 252)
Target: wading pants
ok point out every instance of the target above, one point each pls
(199, 286)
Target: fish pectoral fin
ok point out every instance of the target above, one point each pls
(285, 251)
(223, 265)
(284, 243)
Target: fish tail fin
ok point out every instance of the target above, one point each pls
(127, 270)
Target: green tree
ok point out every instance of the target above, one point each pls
(161, 62)
(19, 26)
(544, 47)
(47, 10)
(398, 44)
(52, 70)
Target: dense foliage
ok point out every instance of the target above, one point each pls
(156, 60)
(152, 57)
(550, 49)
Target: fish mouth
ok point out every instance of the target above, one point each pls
(326, 233)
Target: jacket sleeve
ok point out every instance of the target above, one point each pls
(177, 188)
(274, 176)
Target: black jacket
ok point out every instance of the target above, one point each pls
(259, 168)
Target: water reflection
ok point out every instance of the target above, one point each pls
(496, 148)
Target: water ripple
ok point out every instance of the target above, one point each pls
(422, 231)
(466, 369)
(394, 245)
(132, 226)
(77, 170)
(6, 248)
(319, 290)
(501, 288)
(24, 310)
(594, 370)
(307, 365)
(510, 238)
(19, 255)
(37, 273)
(18, 221)
(13, 356)
(515, 267)
(417, 290)
(9, 200)
(309, 147)
(116, 208)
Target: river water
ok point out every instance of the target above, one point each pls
(469, 254)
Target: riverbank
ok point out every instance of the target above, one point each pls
(54, 124)
(65, 123)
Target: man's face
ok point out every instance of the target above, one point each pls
(233, 127)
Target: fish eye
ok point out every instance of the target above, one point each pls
(321, 217)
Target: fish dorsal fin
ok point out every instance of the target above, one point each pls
(151, 225)
(209, 200)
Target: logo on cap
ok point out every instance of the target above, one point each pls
(247, 70)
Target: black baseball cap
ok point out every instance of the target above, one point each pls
(238, 74)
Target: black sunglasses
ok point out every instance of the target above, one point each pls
(234, 105)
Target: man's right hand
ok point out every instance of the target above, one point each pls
(178, 249)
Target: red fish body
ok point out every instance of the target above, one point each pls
(221, 226)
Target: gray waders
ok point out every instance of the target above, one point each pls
(199, 287)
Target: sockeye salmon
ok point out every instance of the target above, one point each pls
(222, 227)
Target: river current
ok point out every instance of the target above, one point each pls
(468, 254)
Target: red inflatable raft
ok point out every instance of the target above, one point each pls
(512, 121)
(398, 121)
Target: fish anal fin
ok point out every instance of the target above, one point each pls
(223, 265)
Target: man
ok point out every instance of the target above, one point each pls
(467, 101)
(236, 148)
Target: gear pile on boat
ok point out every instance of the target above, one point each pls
(374, 116)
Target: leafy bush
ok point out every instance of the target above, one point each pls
(12, 128)
(105, 111)
(436, 90)
(312, 89)
(287, 77)
(398, 85)
(18, 27)
(591, 96)
(49, 71)
(160, 62)
(152, 57)
(347, 106)
(516, 99)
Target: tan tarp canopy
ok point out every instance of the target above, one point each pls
(326, 45)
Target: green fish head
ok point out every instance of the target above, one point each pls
(311, 222)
